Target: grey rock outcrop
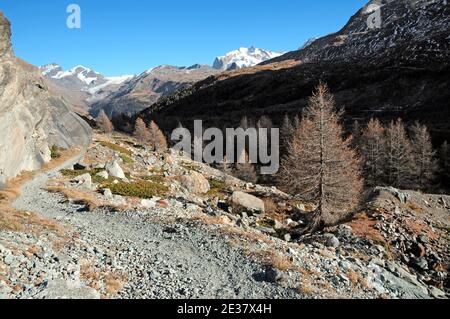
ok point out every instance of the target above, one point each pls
(32, 118)
(240, 200)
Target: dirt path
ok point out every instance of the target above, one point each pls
(159, 261)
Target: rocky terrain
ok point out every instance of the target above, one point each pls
(399, 70)
(119, 221)
(33, 119)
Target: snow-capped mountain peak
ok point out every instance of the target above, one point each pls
(243, 58)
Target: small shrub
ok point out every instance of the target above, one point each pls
(217, 188)
(126, 159)
(116, 148)
(140, 189)
(55, 152)
(74, 173)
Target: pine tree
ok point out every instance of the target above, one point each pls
(321, 167)
(104, 123)
(426, 165)
(372, 146)
(141, 132)
(158, 141)
(399, 160)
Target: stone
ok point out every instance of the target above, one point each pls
(148, 203)
(84, 180)
(8, 259)
(344, 231)
(241, 200)
(80, 166)
(103, 174)
(163, 203)
(115, 170)
(287, 237)
(420, 263)
(108, 194)
(195, 183)
(331, 241)
(402, 197)
(272, 275)
(437, 293)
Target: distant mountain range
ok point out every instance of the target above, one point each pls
(143, 90)
(89, 91)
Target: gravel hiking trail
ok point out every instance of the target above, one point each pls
(176, 260)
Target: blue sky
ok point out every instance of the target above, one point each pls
(127, 37)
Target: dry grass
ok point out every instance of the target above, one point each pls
(414, 207)
(270, 257)
(89, 201)
(114, 283)
(306, 290)
(110, 282)
(363, 226)
(116, 148)
(357, 278)
(420, 228)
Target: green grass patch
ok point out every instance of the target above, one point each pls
(116, 148)
(159, 179)
(55, 152)
(218, 188)
(140, 189)
(74, 173)
(126, 159)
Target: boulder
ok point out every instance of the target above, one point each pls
(148, 203)
(195, 183)
(103, 174)
(108, 194)
(115, 170)
(80, 166)
(331, 241)
(84, 180)
(402, 197)
(246, 202)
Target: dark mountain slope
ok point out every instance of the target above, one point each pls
(405, 79)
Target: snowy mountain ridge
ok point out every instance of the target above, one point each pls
(243, 58)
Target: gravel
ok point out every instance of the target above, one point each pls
(158, 260)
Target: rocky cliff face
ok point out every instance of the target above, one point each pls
(5, 38)
(32, 118)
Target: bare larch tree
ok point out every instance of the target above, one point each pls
(426, 164)
(157, 139)
(141, 131)
(321, 167)
(104, 123)
(399, 161)
(372, 147)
